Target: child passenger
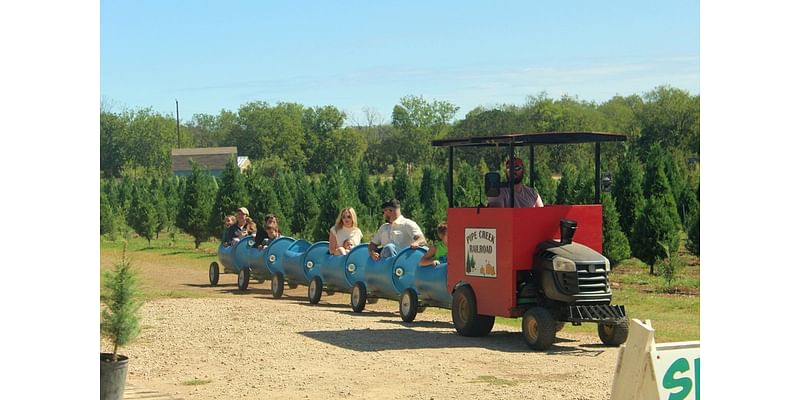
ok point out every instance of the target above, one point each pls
(437, 253)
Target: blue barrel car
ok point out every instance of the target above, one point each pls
(242, 258)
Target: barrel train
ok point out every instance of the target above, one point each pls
(534, 263)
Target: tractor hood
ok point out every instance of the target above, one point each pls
(573, 251)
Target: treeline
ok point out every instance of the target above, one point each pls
(307, 164)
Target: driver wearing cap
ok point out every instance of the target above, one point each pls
(524, 196)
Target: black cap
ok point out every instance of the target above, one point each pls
(393, 203)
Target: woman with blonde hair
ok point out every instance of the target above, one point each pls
(346, 227)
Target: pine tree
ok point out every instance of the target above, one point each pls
(567, 190)
(615, 244)
(367, 193)
(385, 191)
(544, 183)
(693, 233)
(433, 201)
(628, 192)
(306, 210)
(263, 199)
(108, 218)
(336, 196)
(231, 195)
(197, 206)
(657, 231)
(284, 191)
(142, 215)
(159, 204)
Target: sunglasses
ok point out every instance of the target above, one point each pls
(516, 168)
(346, 217)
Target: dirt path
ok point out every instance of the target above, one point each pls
(249, 345)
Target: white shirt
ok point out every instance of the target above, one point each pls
(345, 233)
(401, 232)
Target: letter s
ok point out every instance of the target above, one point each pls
(669, 382)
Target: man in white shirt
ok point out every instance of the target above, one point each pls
(524, 196)
(396, 234)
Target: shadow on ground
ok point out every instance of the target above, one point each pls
(420, 338)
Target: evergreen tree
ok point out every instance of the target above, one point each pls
(433, 200)
(263, 200)
(197, 206)
(385, 191)
(337, 196)
(306, 210)
(284, 190)
(231, 195)
(628, 192)
(367, 193)
(544, 183)
(567, 191)
(615, 244)
(406, 192)
(693, 233)
(160, 205)
(468, 186)
(142, 214)
(108, 217)
(656, 233)
(172, 198)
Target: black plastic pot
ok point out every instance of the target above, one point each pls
(112, 376)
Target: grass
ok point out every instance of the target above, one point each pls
(675, 314)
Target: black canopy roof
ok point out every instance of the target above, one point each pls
(532, 138)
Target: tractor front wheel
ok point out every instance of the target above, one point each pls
(538, 328)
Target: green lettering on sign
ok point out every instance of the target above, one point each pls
(670, 382)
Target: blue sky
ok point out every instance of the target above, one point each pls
(212, 55)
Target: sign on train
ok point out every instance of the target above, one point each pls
(481, 252)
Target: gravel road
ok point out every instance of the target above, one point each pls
(249, 345)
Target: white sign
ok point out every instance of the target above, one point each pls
(664, 371)
(480, 252)
(677, 368)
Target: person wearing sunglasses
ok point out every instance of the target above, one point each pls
(346, 228)
(524, 196)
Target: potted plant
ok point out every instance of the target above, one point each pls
(119, 323)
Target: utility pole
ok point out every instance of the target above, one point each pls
(178, 122)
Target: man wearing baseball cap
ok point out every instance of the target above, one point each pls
(524, 196)
(396, 234)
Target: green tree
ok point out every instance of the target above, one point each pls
(231, 195)
(615, 244)
(306, 210)
(656, 233)
(263, 198)
(197, 205)
(119, 319)
(467, 188)
(693, 233)
(108, 217)
(142, 216)
(406, 192)
(629, 193)
(567, 191)
(337, 194)
(158, 197)
(418, 121)
(433, 199)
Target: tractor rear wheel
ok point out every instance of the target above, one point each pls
(465, 314)
(538, 328)
(613, 335)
